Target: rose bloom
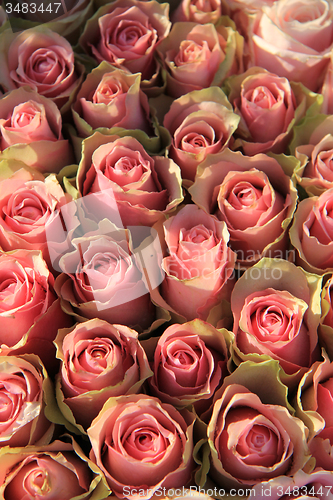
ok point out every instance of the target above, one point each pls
(200, 123)
(30, 312)
(198, 56)
(199, 264)
(314, 407)
(29, 118)
(135, 435)
(99, 361)
(269, 106)
(276, 313)
(312, 233)
(294, 39)
(198, 11)
(110, 97)
(313, 146)
(126, 33)
(253, 196)
(22, 419)
(189, 365)
(102, 279)
(27, 208)
(316, 485)
(58, 470)
(145, 187)
(41, 59)
(251, 441)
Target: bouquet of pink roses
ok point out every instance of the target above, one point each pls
(166, 249)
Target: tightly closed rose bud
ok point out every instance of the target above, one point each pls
(200, 123)
(312, 233)
(253, 196)
(189, 365)
(41, 59)
(199, 264)
(99, 361)
(22, 419)
(142, 444)
(145, 187)
(27, 118)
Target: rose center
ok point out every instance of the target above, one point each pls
(184, 358)
(258, 437)
(245, 194)
(37, 482)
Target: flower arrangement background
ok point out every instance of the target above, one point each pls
(166, 249)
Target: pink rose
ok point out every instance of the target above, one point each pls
(199, 56)
(198, 11)
(315, 407)
(27, 208)
(189, 365)
(294, 40)
(22, 419)
(126, 33)
(135, 435)
(326, 90)
(313, 146)
(199, 264)
(269, 106)
(41, 59)
(29, 118)
(58, 470)
(251, 440)
(30, 312)
(200, 123)
(102, 279)
(145, 188)
(110, 97)
(99, 361)
(253, 196)
(276, 309)
(312, 233)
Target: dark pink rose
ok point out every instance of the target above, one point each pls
(145, 187)
(99, 361)
(199, 264)
(189, 365)
(29, 118)
(135, 435)
(126, 33)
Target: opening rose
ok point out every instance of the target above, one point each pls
(142, 444)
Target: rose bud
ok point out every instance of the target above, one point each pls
(198, 11)
(99, 361)
(136, 434)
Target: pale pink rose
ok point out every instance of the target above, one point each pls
(200, 123)
(30, 312)
(29, 118)
(189, 365)
(142, 446)
(313, 146)
(269, 106)
(126, 33)
(198, 11)
(198, 56)
(253, 196)
(110, 97)
(27, 208)
(41, 59)
(294, 39)
(276, 313)
(251, 441)
(312, 233)
(55, 471)
(102, 279)
(22, 419)
(145, 187)
(99, 361)
(316, 485)
(199, 267)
